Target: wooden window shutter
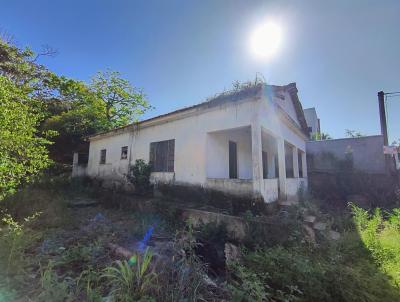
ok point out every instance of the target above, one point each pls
(152, 159)
(171, 155)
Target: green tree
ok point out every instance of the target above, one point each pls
(23, 151)
(123, 103)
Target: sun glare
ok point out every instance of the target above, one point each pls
(266, 39)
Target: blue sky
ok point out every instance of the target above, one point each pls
(340, 53)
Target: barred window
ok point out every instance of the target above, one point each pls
(162, 156)
(124, 152)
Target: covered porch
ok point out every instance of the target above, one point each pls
(251, 160)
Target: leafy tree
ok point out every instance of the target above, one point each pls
(23, 151)
(107, 102)
(123, 103)
(21, 67)
(353, 133)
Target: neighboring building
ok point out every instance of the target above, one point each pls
(247, 142)
(366, 153)
(313, 122)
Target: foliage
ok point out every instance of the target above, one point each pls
(131, 283)
(296, 274)
(23, 152)
(123, 103)
(52, 288)
(20, 66)
(353, 133)
(183, 278)
(15, 239)
(318, 136)
(381, 237)
(139, 175)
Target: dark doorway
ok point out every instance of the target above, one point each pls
(232, 160)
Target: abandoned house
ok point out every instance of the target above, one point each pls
(250, 141)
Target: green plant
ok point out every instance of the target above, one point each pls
(381, 237)
(22, 148)
(52, 289)
(89, 282)
(139, 176)
(15, 240)
(130, 283)
(184, 277)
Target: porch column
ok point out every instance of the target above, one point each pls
(282, 168)
(256, 156)
(295, 162)
(304, 163)
(75, 159)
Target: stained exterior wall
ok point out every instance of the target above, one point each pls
(367, 153)
(190, 136)
(201, 143)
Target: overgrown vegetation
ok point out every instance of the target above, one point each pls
(139, 176)
(62, 253)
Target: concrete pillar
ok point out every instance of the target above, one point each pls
(304, 163)
(295, 162)
(256, 156)
(282, 168)
(75, 159)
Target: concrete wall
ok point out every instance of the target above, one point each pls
(293, 185)
(270, 189)
(367, 153)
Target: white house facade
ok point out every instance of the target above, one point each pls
(247, 142)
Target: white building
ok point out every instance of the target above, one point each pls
(247, 142)
(312, 120)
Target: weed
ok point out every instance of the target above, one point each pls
(131, 283)
(53, 289)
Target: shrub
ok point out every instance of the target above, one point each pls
(131, 283)
(139, 176)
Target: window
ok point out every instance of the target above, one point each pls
(103, 156)
(289, 161)
(124, 152)
(265, 164)
(162, 155)
(232, 160)
(309, 129)
(300, 163)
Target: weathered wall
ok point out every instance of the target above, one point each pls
(367, 153)
(201, 141)
(217, 157)
(190, 136)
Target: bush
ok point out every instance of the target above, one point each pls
(139, 176)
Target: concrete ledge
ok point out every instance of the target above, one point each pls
(238, 187)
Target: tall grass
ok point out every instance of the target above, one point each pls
(380, 233)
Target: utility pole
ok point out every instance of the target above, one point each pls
(382, 116)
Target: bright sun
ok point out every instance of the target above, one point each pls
(266, 40)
